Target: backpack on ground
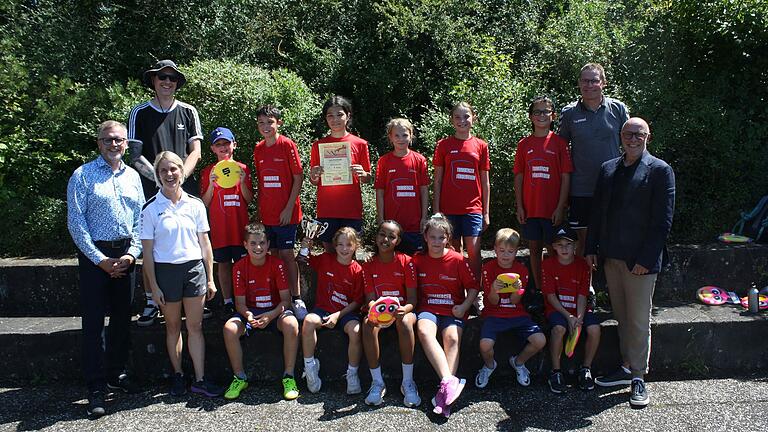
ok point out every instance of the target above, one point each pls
(753, 224)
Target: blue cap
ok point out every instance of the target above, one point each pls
(222, 133)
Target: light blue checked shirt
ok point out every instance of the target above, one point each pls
(103, 205)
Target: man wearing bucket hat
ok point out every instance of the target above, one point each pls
(160, 124)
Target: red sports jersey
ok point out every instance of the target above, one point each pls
(338, 285)
(462, 161)
(261, 285)
(567, 282)
(542, 161)
(276, 165)
(342, 201)
(390, 279)
(504, 309)
(442, 282)
(401, 179)
(228, 211)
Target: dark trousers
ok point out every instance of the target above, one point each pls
(101, 295)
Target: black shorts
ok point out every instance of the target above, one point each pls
(579, 212)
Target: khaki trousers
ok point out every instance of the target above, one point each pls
(631, 300)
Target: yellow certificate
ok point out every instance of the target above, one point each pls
(336, 158)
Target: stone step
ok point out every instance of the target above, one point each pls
(688, 340)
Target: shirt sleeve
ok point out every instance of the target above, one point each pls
(566, 165)
(584, 277)
(519, 166)
(204, 175)
(564, 130)
(368, 286)
(196, 131)
(278, 272)
(438, 159)
(380, 182)
(77, 205)
(147, 224)
(357, 285)
(468, 280)
(314, 154)
(135, 249)
(422, 176)
(238, 280)
(486, 280)
(410, 272)
(547, 279)
(294, 158)
(202, 217)
(485, 159)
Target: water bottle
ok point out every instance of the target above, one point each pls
(752, 300)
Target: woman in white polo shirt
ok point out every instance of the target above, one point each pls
(179, 265)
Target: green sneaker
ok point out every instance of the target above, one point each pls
(290, 390)
(237, 385)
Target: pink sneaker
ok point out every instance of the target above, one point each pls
(439, 400)
(453, 388)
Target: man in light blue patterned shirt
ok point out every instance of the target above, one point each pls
(104, 201)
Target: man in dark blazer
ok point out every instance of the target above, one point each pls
(631, 218)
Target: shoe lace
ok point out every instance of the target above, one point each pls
(638, 388)
(485, 373)
(409, 386)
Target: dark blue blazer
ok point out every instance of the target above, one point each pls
(645, 214)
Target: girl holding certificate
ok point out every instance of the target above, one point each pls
(339, 164)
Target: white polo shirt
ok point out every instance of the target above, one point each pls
(174, 227)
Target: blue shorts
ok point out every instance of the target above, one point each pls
(411, 243)
(555, 318)
(442, 321)
(466, 225)
(579, 211)
(334, 224)
(229, 254)
(272, 326)
(281, 237)
(537, 229)
(342, 321)
(523, 326)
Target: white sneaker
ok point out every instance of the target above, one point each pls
(523, 375)
(353, 384)
(312, 374)
(299, 309)
(375, 394)
(478, 303)
(483, 375)
(410, 394)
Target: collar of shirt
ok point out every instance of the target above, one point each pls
(102, 163)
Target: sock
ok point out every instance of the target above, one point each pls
(287, 375)
(228, 301)
(625, 369)
(294, 298)
(150, 302)
(309, 360)
(491, 368)
(376, 375)
(637, 379)
(407, 372)
(351, 369)
(242, 376)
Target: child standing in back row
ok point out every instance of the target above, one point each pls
(402, 186)
(340, 205)
(279, 172)
(462, 189)
(227, 211)
(542, 178)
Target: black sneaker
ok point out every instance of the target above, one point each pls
(639, 395)
(178, 385)
(229, 310)
(148, 316)
(206, 388)
(557, 382)
(125, 384)
(96, 404)
(207, 312)
(585, 379)
(619, 377)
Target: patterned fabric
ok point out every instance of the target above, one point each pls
(103, 205)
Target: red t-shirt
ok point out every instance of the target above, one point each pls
(567, 282)
(338, 285)
(342, 201)
(401, 179)
(542, 161)
(462, 161)
(276, 165)
(260, 285)
(228, 210)
(390, 279)
(504, 309)
(442, 281)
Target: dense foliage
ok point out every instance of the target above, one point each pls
(694, 69)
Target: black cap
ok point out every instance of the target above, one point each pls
(564, 232)
(149, 73)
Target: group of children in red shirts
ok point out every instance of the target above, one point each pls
(417, 258)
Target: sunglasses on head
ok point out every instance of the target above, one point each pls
(171, 77)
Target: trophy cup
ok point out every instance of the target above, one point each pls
(312, 229)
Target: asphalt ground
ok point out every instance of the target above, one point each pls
(691, 405)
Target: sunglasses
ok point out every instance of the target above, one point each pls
(170, 77)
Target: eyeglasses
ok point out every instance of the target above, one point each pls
(108, 141)
(537, 113)
(586, 81)
(171, 77)
(632, 135)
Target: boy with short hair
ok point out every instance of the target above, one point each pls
(227, 212)
(263, 303)
(278, 168)
(504, 312)
(565, 285)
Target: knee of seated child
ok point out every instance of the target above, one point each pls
(451, 335)
(406, 322)
(352, 329)
(593, 330)
(311, 322)
(289, 324)
(486, 344)
(233, 328)
(537, 340)
(558, 331)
